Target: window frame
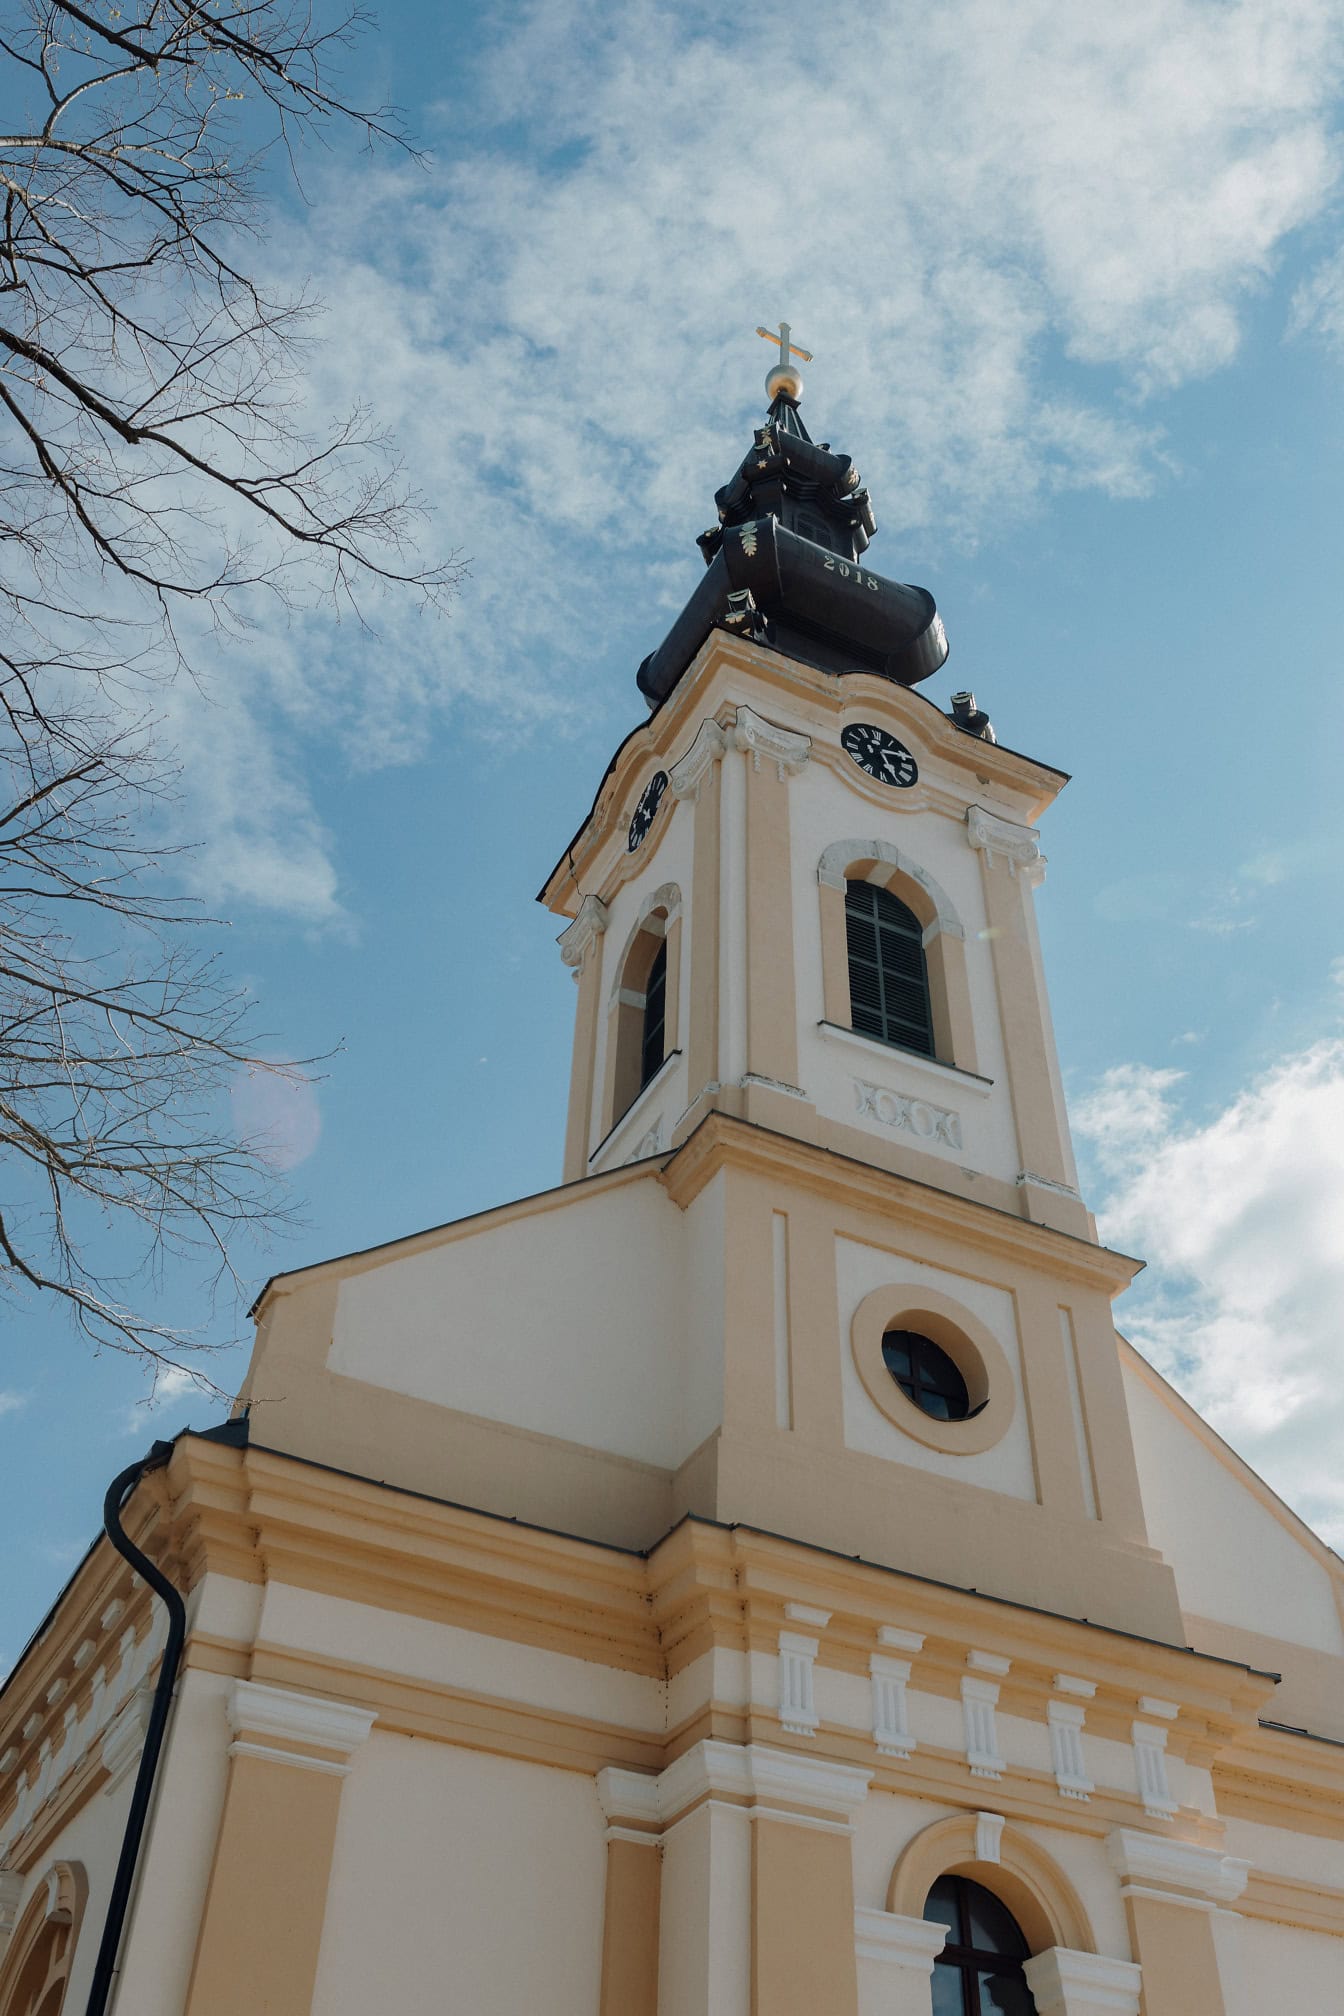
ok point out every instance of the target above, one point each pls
(944, 942)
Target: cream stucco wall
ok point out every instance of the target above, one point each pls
(1234, 1560)
(1277, 1967)
(337, 1629)
(568, 1323)
(462, 1883)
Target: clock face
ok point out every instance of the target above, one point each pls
(880, 754)
(646, 809)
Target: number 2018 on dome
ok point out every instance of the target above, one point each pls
(843, 568)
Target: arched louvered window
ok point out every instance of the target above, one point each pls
(888, 975)
(979, 1971)
(653, 1038)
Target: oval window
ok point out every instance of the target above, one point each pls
(926, 1375)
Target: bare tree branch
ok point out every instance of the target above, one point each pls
(153, 459)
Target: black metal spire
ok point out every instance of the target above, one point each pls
(784, 560)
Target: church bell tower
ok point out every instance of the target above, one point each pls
(810, 987)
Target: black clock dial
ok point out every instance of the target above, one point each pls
(646, 808)
(880, 754)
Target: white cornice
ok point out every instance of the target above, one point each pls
(706, 750)
(287, 1717)
(1062, 1981)
(898, 1942)
(590, 923)
(1005, 839)
(787, 750)
(1143, 1858)
(751, 1771)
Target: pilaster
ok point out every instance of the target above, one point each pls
(581, 950)
(261, 1929)
(1011, 865)
(773, 755)
(1172, 1891)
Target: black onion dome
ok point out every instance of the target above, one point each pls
(783, 569)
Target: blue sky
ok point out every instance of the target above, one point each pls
(1074, 276)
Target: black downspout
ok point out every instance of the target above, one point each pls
(118, 1491)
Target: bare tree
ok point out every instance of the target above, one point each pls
(156, 488)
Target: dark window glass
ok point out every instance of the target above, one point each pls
(979, 1971)
(655, 1016)
(926, 1375)
(888, 975)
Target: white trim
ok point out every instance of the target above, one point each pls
(1153, 1858)
(891, 1708)
(988, 1662)
(842, 854)
(1068, 1983)
(1018, 845)
(950, 1074)
(797, 1698)
(240, 1748)
(783, 747)
(807, 1613)
(298, 1718)
(756, 1771)
(1066, 1683)
(588, 926)
(899, 1640)
(633, 1794)
(910, 1943)
(707, 749)
(639, 1836)
(124, 1737)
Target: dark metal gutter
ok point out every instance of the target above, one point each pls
(119, 1492)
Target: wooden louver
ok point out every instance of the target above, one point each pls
(888, 974)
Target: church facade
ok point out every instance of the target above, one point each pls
(752, 1578)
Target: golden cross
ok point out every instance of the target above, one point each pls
(786, 349)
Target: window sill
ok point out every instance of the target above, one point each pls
(633, 1107)
(949, 1074)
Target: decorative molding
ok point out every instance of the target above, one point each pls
(1004, 839)
(979, 1698)
(891, 1710)
(909, 1943)
(971, 1082)
(783, 747)
(906, 1113)
(586, 929)
(629, 1795)
(750, 1771)
(11, 1890)
(1066, 1747)
(1026, 1176)
(124, 1737)
(286, 1717)
(1066, 1983)
(1144, 1860)
(899, 1640)
(707, 749)
(1066, 1683)
(1160, 1711)
(651, 1142)
(989, 1662)
(1150, 1761)
(807, 1613)
(988, 1835)
(842, 854)
(797, 1701)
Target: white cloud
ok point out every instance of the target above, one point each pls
(11, 1402)
(1001, 229)
(1239, 1217)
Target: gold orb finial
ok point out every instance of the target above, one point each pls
(786, 379)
